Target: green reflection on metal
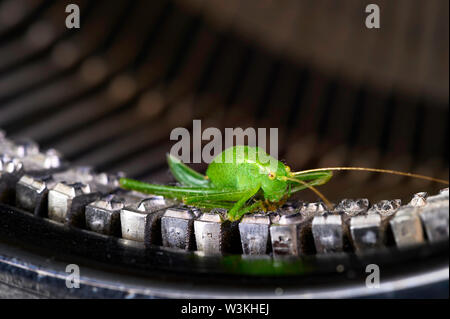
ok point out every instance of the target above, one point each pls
(266, 266)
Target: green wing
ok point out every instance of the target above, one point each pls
(185, 175)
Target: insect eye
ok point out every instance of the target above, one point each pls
(288, 169)
(271, 175)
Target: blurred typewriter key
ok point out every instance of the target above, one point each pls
(104, 182)
(155, 202)
(50, 161)
(419, 199)
(349, 208)
(215, 234)
(32, 189)
(140, 221)
(177, 228)
(254, 233)
(7, 146)
(33, 161)
(11, 169)
(352, 207)
(328, 233)
(285, 234)
(66, 202)
(133, 223)
(309, 210)
(406, 226)
(155, 206)
(27, 151)
(32, 194)
(293, 206)
(366, 231)
(38, 166)
(12, 156)
(442, 196)
(23, 148)
(81, 174)
(386, 210)
(434, 217)
(103, 216)
(313, 209)
(291, 232)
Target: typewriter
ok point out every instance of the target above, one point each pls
(81, 107)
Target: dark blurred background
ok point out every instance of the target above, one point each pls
(108, 94)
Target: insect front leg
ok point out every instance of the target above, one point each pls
(236, 212)
(248, 209)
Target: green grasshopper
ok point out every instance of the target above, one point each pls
(232, 184)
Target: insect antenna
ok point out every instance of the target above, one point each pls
(377, 170)
(322, 196)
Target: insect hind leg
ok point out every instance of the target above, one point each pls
(168, 191)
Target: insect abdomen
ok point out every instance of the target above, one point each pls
(232, 169)
(233, 176)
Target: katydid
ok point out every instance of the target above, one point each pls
(247, 183)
